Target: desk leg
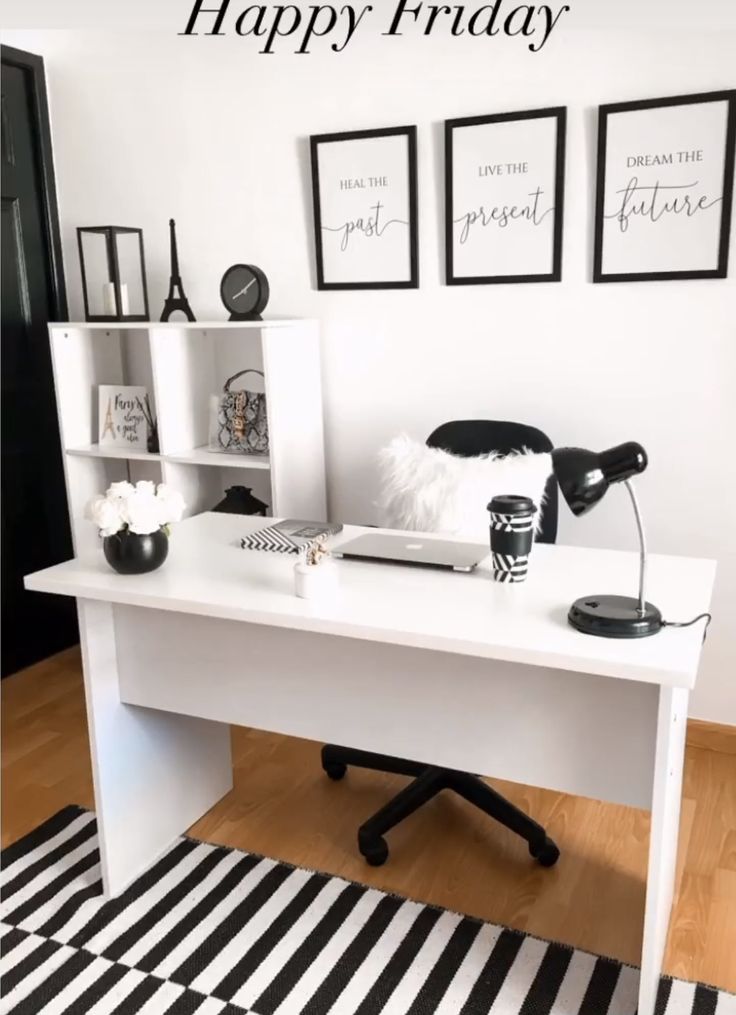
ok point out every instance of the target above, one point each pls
(155, 773)
(666, 797)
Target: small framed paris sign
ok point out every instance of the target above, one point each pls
(504, 191)
(364, 187)
(665, 188)
(123, 416)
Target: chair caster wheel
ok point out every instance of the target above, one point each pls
(334, 768)
(546, 853)
(374, 852)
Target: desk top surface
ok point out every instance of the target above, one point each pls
(208, 574)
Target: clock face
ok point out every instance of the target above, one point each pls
(244, 289)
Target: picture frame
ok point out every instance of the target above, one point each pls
(648, 150)
(364, 189)
(497, 229)
(122, 416)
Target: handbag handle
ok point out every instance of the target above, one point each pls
(240, 373)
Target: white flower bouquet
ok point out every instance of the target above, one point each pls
(140, 509)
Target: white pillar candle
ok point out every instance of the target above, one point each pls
(108, 299)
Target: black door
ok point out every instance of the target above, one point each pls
(35, 526)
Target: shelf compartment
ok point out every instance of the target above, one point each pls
(90, 475)
(191, 366)
(83, 359)
(202, 486)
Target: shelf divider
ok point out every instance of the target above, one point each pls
(197, 456)
(105, 451)
(203, 456)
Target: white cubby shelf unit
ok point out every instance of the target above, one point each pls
(182, 365)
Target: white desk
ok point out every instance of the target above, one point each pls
(440, 667)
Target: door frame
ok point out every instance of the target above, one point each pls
(33, 67)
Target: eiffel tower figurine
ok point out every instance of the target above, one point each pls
(176, 300)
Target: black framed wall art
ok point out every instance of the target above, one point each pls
(665, 188)
(504, 197)
(364, 186)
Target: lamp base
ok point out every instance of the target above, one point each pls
(614, 617)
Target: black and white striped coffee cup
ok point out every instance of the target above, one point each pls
(512, 536)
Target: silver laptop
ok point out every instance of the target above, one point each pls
(413, 549)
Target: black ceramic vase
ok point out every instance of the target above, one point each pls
(129, 553)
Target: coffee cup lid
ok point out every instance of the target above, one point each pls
(512, 504)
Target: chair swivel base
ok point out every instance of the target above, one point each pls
(428, 782)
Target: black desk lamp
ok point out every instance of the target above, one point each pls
(584, 477)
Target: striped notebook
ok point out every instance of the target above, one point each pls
(289, 536)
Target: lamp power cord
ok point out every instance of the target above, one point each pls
(689, 623)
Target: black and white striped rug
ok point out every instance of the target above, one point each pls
(219, 932)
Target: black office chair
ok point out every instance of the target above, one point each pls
(466, 438)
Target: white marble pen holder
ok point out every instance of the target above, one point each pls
(315, 581)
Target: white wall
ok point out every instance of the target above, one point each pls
(152, 126)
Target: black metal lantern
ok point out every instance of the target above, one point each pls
(113, 273)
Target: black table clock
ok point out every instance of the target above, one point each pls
(244, 291)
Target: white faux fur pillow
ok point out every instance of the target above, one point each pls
(429, 490)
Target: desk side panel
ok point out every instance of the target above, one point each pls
(573, 732)
(663, 838)
(154, 773)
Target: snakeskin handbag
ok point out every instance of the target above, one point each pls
(238, 420)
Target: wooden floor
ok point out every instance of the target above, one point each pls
(449, 854)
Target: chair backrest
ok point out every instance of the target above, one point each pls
(470, 437)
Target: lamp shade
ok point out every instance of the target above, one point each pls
(584, 476)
